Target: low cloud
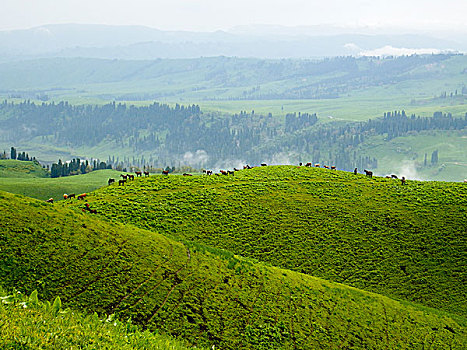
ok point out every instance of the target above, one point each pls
(398, 51)
(199, 158)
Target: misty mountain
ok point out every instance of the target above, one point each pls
(138, 42)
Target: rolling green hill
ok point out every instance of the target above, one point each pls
(45, 188)
(407, 241)
(20, 169)
(206, 296)
(28, 323)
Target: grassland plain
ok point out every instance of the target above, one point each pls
(407, 242)
(204, 295)
(45, 188)
(29, 323)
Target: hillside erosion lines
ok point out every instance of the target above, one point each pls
(404, 241)
(202, 293)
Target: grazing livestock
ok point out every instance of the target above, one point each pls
(124, 177)
(393, 176)
(72, 195)
(235, 169)
(131, 177)
(308, 164)
(368, 173)
(387, 177)
(231, 172)
(146, 173)
(246, 167)
(65, 196)
(264, 164)
(165, 172)
(186, 174)
(82, 196)
(355, 171)
(138, 173)
(121, 182)
(403, 180)
(465, 181)
(111, 181)
(50, 200)
(223, 172)
(325, 167)
(208, 172)
(333, 167)
(92, 211)
(317, 165)
(300, 164)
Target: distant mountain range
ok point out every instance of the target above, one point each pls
(138, 42)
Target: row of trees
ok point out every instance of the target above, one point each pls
(76, 167)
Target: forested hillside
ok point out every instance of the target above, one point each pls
(159, 135)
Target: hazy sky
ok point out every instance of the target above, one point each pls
(209, 15)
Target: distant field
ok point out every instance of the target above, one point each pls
(45, 188)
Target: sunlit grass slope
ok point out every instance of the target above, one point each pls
(206, 296)
(408, 242)
(45, 188)
(21, 169)
(28, 323)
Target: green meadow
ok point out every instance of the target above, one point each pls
(371, 233)
(204, 295)
(28, 179)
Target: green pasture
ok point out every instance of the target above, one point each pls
(21, 169)
(45, 188)
(206, 296)
(371, 233)
(405, 155)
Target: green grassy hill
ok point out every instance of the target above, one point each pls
(407, 242)
(45, 188)
(28, 323)
(21, 169)
(204, 295)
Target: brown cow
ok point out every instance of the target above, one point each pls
(308, 164)
(165, 172)
(138, 173)
(111, 181)
(121, 182)
(317, 165)
(50, 200)
(72, 195)
(186, 174)
(333, 167)
(131, 177)
(146, 173)
(124, 177)
(368, 173)
(82, 196)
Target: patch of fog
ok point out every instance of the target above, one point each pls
(197, 159)
(407, 169)
(229, 164)
(283, 158)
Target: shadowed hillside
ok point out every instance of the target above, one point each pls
(405, 241)
(204, 295)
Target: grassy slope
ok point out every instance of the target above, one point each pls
(45, 188)
(27, 323)
(405, 155)
(403, 241)
(205, 296)
(20, 169)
